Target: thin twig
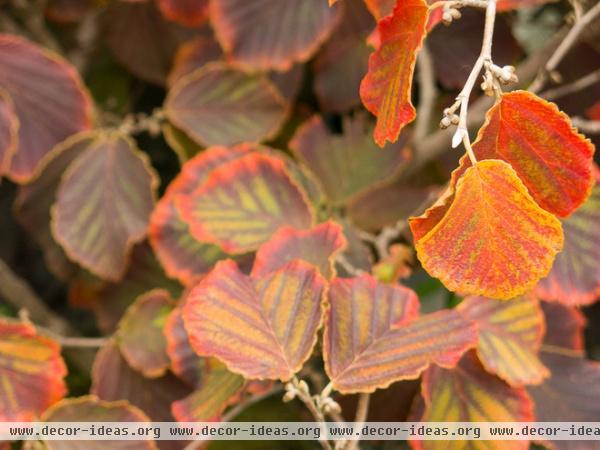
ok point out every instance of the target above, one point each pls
(570, 39)
(458, 4)
(427, 93)
(587, 126)
(575, 86)
(362, 411)
(348, 266)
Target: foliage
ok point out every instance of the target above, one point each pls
(258, 205)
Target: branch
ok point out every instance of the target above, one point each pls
(587, 126)
(575, 86)
(362, 410)
(427, 93)
(570, 39)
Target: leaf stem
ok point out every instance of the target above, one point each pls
(362, 411)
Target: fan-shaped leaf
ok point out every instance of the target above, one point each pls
(386, 89)
(182, 256)
(373, 336)
(539, 142)
(262, 328)
(510, 334)
(140, 333)
(185, 363)
(190, 13)
(242, 203)
(575, 275)
(206, 404)
(92, 409)
(49, 99)
(494, 240)
(9, 131)
(564, 327)
(31, 371)
(271, 34)
(219, 105)
(349, 163)
(317, 246)
(467, 393)
(103, 204)
(193, 55)
(113, 379)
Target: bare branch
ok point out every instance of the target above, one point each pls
(362, 411)
(575, 86)
(427, 92)
(587, 126)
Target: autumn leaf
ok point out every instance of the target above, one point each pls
(31, 370)
(140, 333)
(262, 328)
(103, 203)
(575, 275)
(373, 336)
(510, 335)
(242, 203)
(29, 73)
(467, 393)
(386, 89)
(547, 153)
(271, 34)
(493, 240)
(220, 105)
(190, 13)
(317, 246)
(9, 131)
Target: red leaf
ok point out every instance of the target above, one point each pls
(190, 13)
(373, 336)
(594, 111)
(386, 89)
(493, 240)
(31, 370)
(182, 256)
(140, 333)
(317, 246)
(380, 8)
(242, 203)
(539, 142)
(262, 328)
(49, 98)
(104, 203)
(575, 275)
(271, 34)
(9, 131)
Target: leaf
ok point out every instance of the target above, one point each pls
(594, 111)
(113, 379)
(103, 204)
(110, 300)
(91, 409)
(317, 246)
(9, 131)
(510, 335)
(206, 404)
(185, 363)
(271, 34)
(190, 13)
(380, 8)
(192, 55)
(546, 152)
(219, 105)
(346, 164)
(243, 202)
(494, 240)
(182, 256)
(262, 328)
(140, 333)
(467, 393)
(49, 99)
(373, 336)
(31, 370)
(385, 90)
(141, 39)
(575, 276)
(564, 327)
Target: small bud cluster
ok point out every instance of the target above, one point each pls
(450, 118)
(450, 14)
(505, 74)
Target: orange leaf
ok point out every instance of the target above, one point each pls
(380, 8)
(575, 275)
(493, 240)
(190, 13)
(317, 246)
(31, 370)
(262, 328)
(539, 142)
(373, 336)
(467, 393)
(242, 203)
(386, 89)
(510, 334)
